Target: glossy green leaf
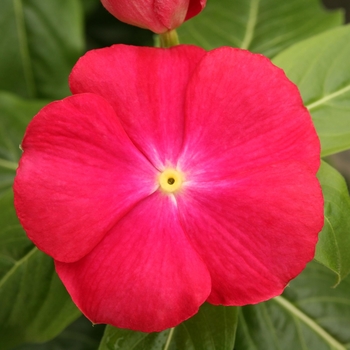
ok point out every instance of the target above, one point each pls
(334, 241)
(213, 328)
(34, 304)
(320, 66)
(264, 26)
(310, 315)
(15, 114)
(40, 42)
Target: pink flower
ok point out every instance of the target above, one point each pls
(156, 15)
(172, 177)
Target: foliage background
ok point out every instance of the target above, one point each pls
(40, 42)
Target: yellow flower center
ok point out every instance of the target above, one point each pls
(170, 180)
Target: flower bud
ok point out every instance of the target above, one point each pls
(156, 15)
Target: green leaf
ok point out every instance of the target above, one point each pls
(80, 335)
(34, 304)
(310, 315)
(213, 328)
(15, 114)
(333, 246)
(320, 67)
(40, 42)
(264, 26)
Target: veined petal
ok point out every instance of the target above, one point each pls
(156, 15)
(241, 112)
(78, 175)
(144, 275)
(171, 13)
(139, 13)
(146, 87)
(255, 231)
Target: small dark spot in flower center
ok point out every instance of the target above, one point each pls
(171, 181)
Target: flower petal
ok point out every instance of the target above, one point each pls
(144, 275)
(243, 112)
(195, 7)
(255, 231)
(139, 13)
(78, 175)
(171, 13)
(146, 87)
(156, 15)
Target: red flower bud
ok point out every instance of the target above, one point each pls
(156, 15)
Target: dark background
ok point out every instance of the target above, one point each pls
(333, 4)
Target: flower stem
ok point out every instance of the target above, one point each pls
(169, 39)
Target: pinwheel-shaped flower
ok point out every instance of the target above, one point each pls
(156, 15)
(172, 177)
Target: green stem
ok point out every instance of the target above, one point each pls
(169, 39)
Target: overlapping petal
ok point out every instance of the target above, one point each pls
(251, 202)
(244, 222)
(243, 112)
(255, 231)
(195, 7)
(144, 275)
(78, 175)
(146, 87)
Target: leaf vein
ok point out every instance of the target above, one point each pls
(16, 266)
(8, 164)
(309, 322)
(169, 338)
(24, 48)
(251, 24)
(326, 98)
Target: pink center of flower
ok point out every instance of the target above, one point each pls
(170, 180)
